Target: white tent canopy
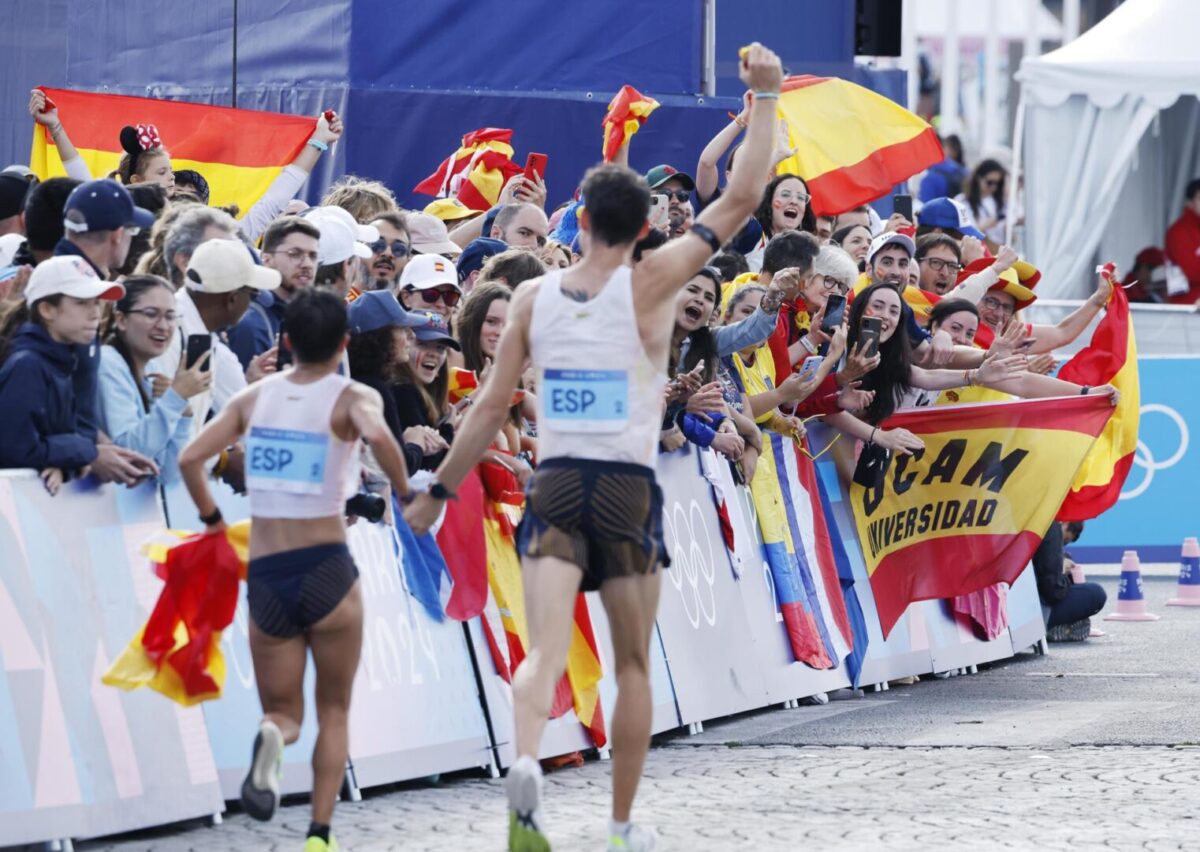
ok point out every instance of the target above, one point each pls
(1110, 139)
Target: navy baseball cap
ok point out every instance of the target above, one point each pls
(947, 213)
(378, 309)
(13, 189)
(435, 331)
(103, 205)
(489, 219)
(476, 254)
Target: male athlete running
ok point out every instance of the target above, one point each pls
(302, 455)
(598, 334)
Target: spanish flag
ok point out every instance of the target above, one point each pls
(970, 509)
(476, 172)
(239, 152)
(579, 687)
(852, 145)
(1111, 358)
(178, 651)
(627, 112)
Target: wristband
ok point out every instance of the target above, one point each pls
(766, 96)
(871, 440)
(440, 492)
(214, 518)
(1083, 391)
(318, 144)
(808, 344)
(705, 233)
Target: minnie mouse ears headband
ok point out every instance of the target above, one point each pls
(140, 138)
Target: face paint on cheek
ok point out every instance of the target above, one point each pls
(777, 204)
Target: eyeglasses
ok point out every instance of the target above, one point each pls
(995, 304)
(680, 195)
(830, 283)
(788, 195)
(399, 247)
(448, 296)
(992, 182)
(153, 315)
(295, 255)
(937, 264)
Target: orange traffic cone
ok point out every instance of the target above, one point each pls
(1131, 603)
(1189, 575)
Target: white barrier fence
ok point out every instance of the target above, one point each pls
(80, 759)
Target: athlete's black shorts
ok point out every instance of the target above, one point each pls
(289, 592)
(605, 517)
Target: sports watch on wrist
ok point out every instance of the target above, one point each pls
(440, 492)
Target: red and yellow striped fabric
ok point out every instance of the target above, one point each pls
(1111, 358)
(239, 152)
(476, 172)
(627, 112)
(970, 510)
(852, 145)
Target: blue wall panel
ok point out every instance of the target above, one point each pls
(528, 45)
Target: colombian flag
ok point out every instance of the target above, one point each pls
(476, 172)
(627, 112)
(579, 688)
(178, 651)
(852, 145)
(971, 508)
(239, 152)
(1111, 358)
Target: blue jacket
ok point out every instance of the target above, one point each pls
(159, 433)
(86, 377)
(255, 332)
(39, 419)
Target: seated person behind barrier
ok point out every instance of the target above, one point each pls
(1070, 605)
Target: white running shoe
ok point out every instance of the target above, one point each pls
(635, 839)
(260, 790)
(524, 788)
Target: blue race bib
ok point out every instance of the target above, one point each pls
(585, 400)
(286, 460)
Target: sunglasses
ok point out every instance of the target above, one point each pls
(399, 247)
(449, 297)
(679, 195)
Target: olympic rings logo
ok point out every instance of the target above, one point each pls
(1145, 459)
(691, 559)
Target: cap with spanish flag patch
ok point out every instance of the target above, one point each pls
(426, 271)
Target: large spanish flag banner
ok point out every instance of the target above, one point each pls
(239, 152)
(971, 508)
(852, 145)
(1111, 358)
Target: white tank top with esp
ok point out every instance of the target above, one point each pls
(599, 397)
(296, 467)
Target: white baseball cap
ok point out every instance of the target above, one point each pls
(426, 271)
(891, 238)
(69, 275)
(338, 240)
(222, 266)
(362, 233)
(9, 243)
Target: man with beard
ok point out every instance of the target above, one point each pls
(389, 253)
(677, 186)
(940, 259)
(290, 246)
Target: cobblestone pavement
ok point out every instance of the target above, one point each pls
(721, 797)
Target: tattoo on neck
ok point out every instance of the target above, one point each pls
(576, 295)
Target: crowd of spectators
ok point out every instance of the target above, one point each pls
(131, 311)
